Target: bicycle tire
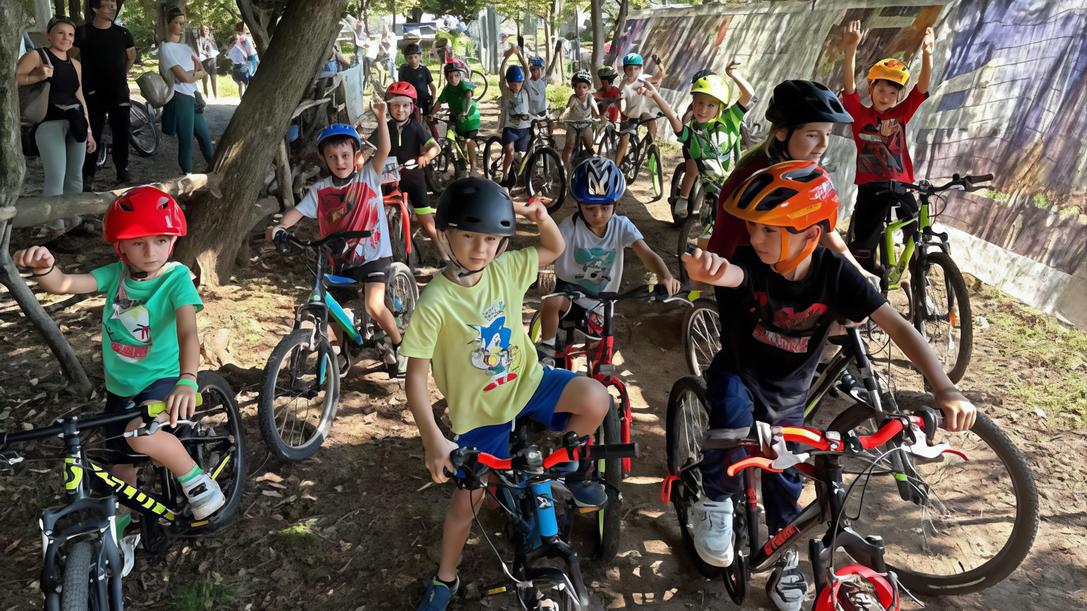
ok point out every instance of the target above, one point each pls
(480, 81)
(621, 398)
(610, 472)
(492, 159)
(101, 155)
(656, 171)
(402, 294)
(548, 584)
(607, 143)
(76, 586)
(688, 418)
(1023, 491)
(437, 172)
(326, 378)
(535, 330)
(546, 177)
(229, 469)
(957, 301)
(674, 190)
(396, 233)
(690, 232)
(143, 135)
(702, 335)
(737, 576)
(629, 165)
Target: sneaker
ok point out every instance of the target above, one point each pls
(786, 586)
(401, 364)
(710, 524)
(128, 545)
(546, 353)
(587, 493)
(123, 177)
(438, 595)
(679, 208)
(205, 496)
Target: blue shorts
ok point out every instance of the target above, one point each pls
(495, 439)
(518, 136)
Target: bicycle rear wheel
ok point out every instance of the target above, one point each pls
(940, 310)
(688, 420)
(971, 524)
(545, 177)
(656, 171)
(297, 402)
(144, 135)
(610, 472)
(702, 335)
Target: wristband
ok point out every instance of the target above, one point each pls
(185, 382)
(189, 374)
(45, 273)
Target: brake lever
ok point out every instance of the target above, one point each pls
(773, 445)
(921, 448)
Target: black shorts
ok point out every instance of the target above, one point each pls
(413, 182)
(467, 134)
(209, 66)
(518, 136)
(874, 202)
(240, 74)
(156, 391)
(371, 271)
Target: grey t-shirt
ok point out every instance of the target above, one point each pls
(537, 95)
(594, 262)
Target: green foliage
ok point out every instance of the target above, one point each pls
(141, 18)
(558, 95)
(207, 594)
(463, 9)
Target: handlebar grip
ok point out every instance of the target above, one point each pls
(281, 240)
(980, 178)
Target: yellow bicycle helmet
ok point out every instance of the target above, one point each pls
(890, 69)
(716, 87)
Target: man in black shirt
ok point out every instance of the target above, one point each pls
(778, 299)
(107, 53)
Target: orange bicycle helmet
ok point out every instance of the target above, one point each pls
(795, 195)
(401, 88)
(889, 69)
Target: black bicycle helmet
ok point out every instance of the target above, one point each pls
(607, 73)
(581, 76)
(413, 48)
(478, 205)
(701, 73)
(798, 102)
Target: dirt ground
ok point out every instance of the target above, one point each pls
(355, 528)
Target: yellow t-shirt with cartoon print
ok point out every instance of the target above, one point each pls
(481, 358)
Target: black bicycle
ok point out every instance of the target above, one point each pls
(81, 556)
(540, 167)
(642, 150)
(522, 487)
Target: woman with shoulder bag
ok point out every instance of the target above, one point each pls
(183, 115)
(63, 137)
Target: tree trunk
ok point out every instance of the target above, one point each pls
(596, 16)
(261, 22)
(219, 223)
(620, 26)
(75, 11)
(12, 172)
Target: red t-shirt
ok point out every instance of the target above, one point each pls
(612, 112)
(730, 232)
(881, 138)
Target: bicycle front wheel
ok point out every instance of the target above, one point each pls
(216, 441)
(656, 171)
(402, 294)
(78, 574)
(143, 135)
(969, 523)
(441, 170)
(545, 177)
(693, 233)
(492, 159)
(480, 81)
(940, 310)
(297, 402)
(610, 472)
(702, 335)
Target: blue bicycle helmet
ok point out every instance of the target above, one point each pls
(536, 62)
(632, 59)
(339, 129)
(597, 181)
(515, 74)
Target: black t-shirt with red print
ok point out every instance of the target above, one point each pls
(773, 329)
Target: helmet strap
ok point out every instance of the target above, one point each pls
(784, 266)
(463, 271)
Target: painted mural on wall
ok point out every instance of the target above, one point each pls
(1008, 97)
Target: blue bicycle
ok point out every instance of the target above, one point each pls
(521, 485)
(301, 387)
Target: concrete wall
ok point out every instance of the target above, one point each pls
(1008, 97)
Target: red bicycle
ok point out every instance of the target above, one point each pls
(398, 213)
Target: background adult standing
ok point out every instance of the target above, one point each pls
(64, 137)
(239, 58)
(180, 116)
(107, 52)
(208, 51)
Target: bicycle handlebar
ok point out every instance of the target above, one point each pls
(649, 292)
(284, 237)
(968, 183)
(531, 460)
(148, 411)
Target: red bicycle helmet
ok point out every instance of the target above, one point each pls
(455, 65)
(878, 587)
(401, 88)
(141, 212)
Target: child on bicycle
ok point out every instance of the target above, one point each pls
(349, 199)
(595, 240)
(536, 86)
(515, 120)
(879, 132)
(463, 111)
(713, 133)
(635, 99)
(413, 71)
(580, 107)
(780, 297)
(608, 96)
(412, 143)
(467, 329)
(150, 346)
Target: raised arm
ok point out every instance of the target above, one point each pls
(926, 61)
(551, 243)
(384, 145)
(747, 92)
(851, 39)
(673, 120)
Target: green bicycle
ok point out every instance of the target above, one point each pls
(453, 161)
(82, 563)
(642, 150)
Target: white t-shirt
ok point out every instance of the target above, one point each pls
(354, 205)
(537, 95)
(576, 110)
(637, 104)
(176, 54)
(591, 261)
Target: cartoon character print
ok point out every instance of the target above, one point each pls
(350, 208)
(493, 352)
(882, 147)
(595, 264)
(129, 330)
(790, 329)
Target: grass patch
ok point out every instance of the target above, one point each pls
(205, 594)
(299, 536)
(1052, 357)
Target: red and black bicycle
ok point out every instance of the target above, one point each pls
(398, 212)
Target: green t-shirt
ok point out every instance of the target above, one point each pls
(482, 359)
(139, 332)
(459, 99)
(716, 140)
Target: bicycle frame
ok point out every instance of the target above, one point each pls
(896, 264)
